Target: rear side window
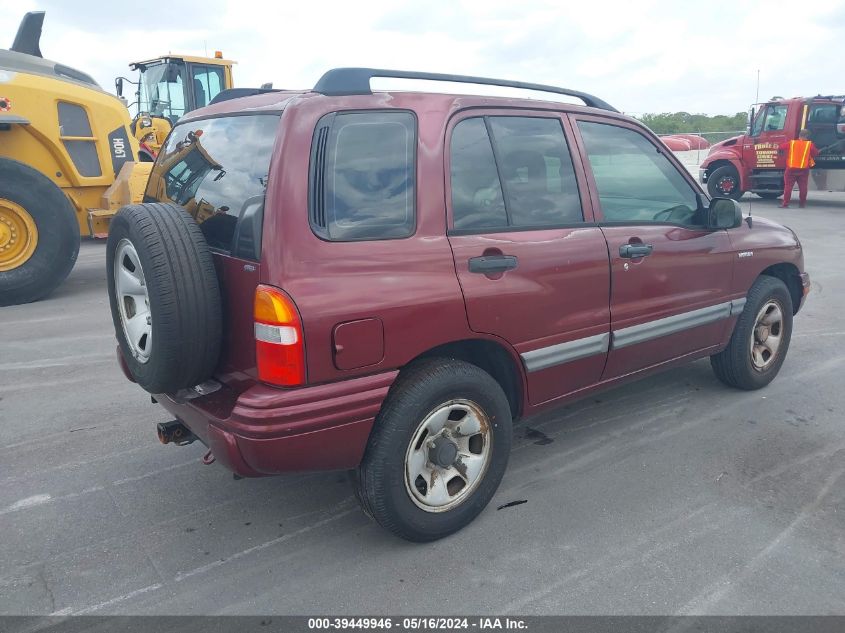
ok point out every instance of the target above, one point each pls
(477, 198)
(217, 169)
(512, 172)
(362, 181)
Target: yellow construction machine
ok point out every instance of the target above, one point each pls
(70, 156)
(167, 88)
(67, 163)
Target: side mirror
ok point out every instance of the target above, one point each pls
(723, 213)
(118, 86)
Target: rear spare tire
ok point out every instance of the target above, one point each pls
(39, 234)
(164, 296)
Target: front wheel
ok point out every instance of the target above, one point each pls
(724, 183)
(770, 195)
(438, 450)
(760, 338)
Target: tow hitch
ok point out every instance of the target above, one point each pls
(175, 432)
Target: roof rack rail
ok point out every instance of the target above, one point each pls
(356, 81)
(237, 93)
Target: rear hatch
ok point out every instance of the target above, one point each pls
(217, 169)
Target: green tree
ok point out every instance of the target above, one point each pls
(684, 122)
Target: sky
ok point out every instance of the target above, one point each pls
(639, 56)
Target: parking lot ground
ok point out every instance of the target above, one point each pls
(674, 495)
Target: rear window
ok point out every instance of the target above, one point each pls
(217, 170)
(362, 176)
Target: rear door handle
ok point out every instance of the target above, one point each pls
(635, 250)
(491, 264)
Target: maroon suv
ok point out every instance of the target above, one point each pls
(383, 281)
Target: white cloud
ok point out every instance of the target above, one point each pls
(644, 56)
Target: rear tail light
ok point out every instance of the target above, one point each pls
(279, 346)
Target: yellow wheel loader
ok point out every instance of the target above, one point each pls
(167, 88)
(67, 163)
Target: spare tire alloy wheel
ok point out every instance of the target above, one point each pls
(18, 235)
(448, 456)
(133, 300)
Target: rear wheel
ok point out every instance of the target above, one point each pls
(724, 183)
(770, 195)
(760, 338)
(39, 234)
(438, 450)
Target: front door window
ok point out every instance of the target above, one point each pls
(635, 181)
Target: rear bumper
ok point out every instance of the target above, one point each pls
(267, 431)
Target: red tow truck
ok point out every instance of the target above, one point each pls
(752, 162)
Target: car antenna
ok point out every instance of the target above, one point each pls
(748, 219)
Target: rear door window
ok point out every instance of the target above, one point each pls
(362, 183)
(509, 171)
(217, 169)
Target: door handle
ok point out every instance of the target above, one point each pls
(491, 264)
(635, 250)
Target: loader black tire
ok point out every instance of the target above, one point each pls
(58, 234)
(182, 290)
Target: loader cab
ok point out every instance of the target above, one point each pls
(173, 85)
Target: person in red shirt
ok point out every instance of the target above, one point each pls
(800, 155)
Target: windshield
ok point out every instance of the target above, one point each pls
(162, 90)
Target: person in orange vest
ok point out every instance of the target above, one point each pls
(800, 155)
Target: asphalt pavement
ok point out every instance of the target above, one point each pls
(673, 495)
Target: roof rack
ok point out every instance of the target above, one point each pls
(356, 81)
(237, 93)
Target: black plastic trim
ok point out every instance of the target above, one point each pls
(28, 37)
(356, 81)
(237, 93)
(492, 264)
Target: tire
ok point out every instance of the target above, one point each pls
(770, 195)
(435, 386)
(737, 366)
(179, 297)
(721, 179)
(29, 199)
